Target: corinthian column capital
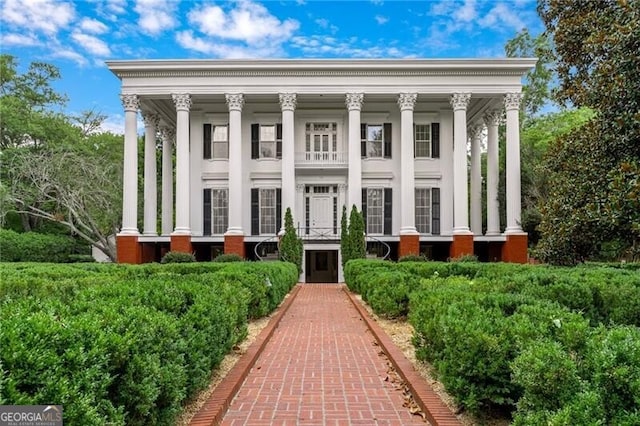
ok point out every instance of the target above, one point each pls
(512, 101)
(474, 131)
(406, 101)
(235, 101)
(150, 119)
(287, 101)
(492, 118)
(130, 102)
(182, 101)
(460, 101)
(354, 101)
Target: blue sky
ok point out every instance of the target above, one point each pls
(78, 36)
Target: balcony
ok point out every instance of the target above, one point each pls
(322, 160)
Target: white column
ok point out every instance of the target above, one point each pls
(446, 161)
(235, 102)
(492, 120)
(459, 102)
(130, 172)
(150, 225)
(183, 103)
(476, 180)
(512, 107)
(406, 102)
(288, 106)
(354, 105)
(168, 136)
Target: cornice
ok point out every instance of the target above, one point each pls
(321, 68)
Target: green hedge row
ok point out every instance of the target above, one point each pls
(544, 342)
(124, 344)
(35, 247)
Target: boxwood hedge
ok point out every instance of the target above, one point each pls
(124, 344)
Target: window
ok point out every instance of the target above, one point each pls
(215, 141)
(428, 210)
(422, 139)
(375, 207)
(220, 142)
(423, 210)
(374, 140)
(219, 211)
(268, 141)
(268, 211)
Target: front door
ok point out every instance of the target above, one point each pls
(321, 213)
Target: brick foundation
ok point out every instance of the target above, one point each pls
(234, 244)
(128, 248)
(409, 245)
(181, 243)
(515, 248)
(461, 245)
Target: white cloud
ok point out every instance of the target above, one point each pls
(325, 46)
(381, 20)
(117, 6)
(70, 54)
(156, 16)
(226, 50)
(327, 25)
(377, 2)
(467, 12)
(47, 16)
(93, 26)
(248, 22)
(12, 39)
(502, 15)
(91, 44)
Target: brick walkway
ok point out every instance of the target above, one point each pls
(322, 366)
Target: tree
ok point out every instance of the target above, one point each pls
(291, 247)
(344, 237)
(79, 191)
(597, 68)
(357, 243)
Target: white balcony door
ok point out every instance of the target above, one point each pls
(321, 147)
(321, 211)
(321, 142)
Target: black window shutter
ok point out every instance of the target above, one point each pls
(435, 211)
(206, 141)
(387, 140)
(435, 140)
(278, 209)
(364, 208)
(255, 211)
(363, 139)
(279, 140)
(206, 211)
(388, 210)
(255, 141)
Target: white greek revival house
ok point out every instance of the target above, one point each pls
(243, 140)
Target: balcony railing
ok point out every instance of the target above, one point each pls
(321, 159)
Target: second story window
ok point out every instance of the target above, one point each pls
(215, 141)
(266, 141)
(422, 137)
(375, 140)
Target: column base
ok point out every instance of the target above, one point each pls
(181, 243)
(128, 249)
(234, 244)
(409, 245)
(462, 245)
(514, 250)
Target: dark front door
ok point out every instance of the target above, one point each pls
(321, 266)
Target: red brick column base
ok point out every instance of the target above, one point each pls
(128, 248)
(234, 244)
(462, 245)
(409, 244)
(515, 248)
(181, 243)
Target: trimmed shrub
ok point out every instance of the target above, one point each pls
(413, 258)
(178, 257)
(229, 257)
(291, 247)
(34, 247)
